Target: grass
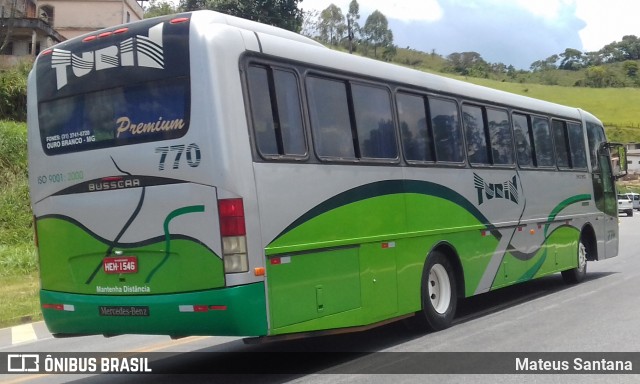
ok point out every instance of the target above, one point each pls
(19, 299)
(19, 302)
(18, 260)
(614, 106)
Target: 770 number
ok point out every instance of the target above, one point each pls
(175, 152)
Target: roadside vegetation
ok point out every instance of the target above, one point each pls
(18, 260)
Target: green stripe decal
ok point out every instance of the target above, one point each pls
(563, 205)
(552, 216)
(167, 234)
(386, 188)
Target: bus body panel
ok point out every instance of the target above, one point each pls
(388, 228)
(230, 311)
(152, 248)
(119, 231)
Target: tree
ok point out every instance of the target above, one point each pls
(280, 13)
(193, 5)
(468, 63)
(571, 59)
(353, 27)
(159, 8)
(310, 24)
(630, 47)
(546, 64)
(599, 77)
(331, 25)
(377, 34)
(631, 68)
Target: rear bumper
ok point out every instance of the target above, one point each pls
(235, 311)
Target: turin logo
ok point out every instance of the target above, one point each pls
(487, 191)
(138, 51)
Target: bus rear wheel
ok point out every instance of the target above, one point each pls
(439, 294)
(577, 274)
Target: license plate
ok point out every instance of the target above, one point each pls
(120, 264)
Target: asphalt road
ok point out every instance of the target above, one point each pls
(544, 316)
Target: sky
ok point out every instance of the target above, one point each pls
(513, 32)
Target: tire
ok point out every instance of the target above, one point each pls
(577, 274)
(630, 213)
(438, 295)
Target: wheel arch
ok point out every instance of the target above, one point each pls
(451, 253)
(590, 241)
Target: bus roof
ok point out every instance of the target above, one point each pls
(317, 54)
(253, 26)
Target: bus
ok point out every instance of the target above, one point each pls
(200, 174)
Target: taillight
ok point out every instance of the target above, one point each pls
(59, 307)
(233, 232)
(179, 20)
(231, 213)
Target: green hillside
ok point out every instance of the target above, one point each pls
(616, 107)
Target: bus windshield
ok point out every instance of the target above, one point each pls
(117, 116)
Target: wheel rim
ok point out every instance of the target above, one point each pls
(439, 288)
(582, 257)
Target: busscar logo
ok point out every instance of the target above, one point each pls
(489, 191)
(148, 50)
(113, 183)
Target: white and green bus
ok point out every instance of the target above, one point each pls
(200, 174)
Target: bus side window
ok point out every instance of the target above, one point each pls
(474, 129)
(276, 112)
(290, 113)
(561, 143)
(595, 137)
(523, 143)
(446, 130)
(576, 143)
(374, 122)
(416, 138)
(262, 114)
(543, 144)
(500, 134)
(330, 119)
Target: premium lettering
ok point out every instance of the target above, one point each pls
(125, 125)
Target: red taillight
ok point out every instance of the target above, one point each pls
(179, 20)
(59, 307)
(231, 212)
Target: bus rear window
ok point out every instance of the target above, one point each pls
(152, 111)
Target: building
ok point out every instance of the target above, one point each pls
(73, 18)
(23, 32)
(29, 26)
(633, 158)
